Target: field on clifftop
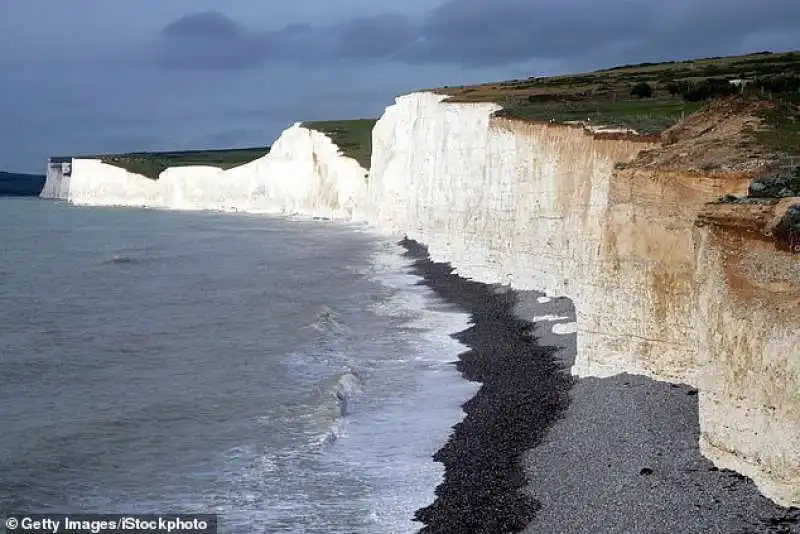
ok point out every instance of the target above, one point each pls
(353, 137)
(152, 164)
(646, 97)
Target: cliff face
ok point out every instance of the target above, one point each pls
(747, 297)
(663, 284)
(56, 185)
(542, 207)
(303, 173)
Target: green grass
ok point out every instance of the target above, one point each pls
(781, 128)
(353, 137)
(604, 95)
(152, 164)
(646, 116)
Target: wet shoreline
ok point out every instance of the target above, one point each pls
(540, 451)
(523, 392)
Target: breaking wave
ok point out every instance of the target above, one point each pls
(330, 402)
(122, 258)
(328, 322)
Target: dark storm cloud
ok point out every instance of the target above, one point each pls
(474, 33)
(718, 26)
(213, 41)
(209, 40)
(477, 33)
(374, 37)
(208, 25)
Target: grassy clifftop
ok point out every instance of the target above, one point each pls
(152, 164)
(648, 97)
(354, 137)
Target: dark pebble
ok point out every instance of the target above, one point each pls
(524, 391)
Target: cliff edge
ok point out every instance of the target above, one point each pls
(668, 281)
(304, 172)
(664, 284)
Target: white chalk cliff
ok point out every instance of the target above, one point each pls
(303, 173)
(57, 184)
(542, 207)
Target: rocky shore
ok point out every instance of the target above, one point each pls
(542, 452)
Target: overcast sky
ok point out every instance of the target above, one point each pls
(93, 76)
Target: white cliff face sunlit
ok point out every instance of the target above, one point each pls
(542, 207)
(303, 173)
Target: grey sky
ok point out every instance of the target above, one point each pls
(89, 76)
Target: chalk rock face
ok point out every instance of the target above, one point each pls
(304, 173)
(525, 204)
(57, 182)
(747, 299)
(542, 207)
(664, 284)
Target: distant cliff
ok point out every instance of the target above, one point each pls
(21, 185)
(303, 173)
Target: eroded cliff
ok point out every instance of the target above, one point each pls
(664, 284)
(610, 223)
(747, 297)
(56, 185)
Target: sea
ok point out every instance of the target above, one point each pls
(290, 375)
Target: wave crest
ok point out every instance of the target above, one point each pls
(340, 389)
(123, 258)
(327, 321)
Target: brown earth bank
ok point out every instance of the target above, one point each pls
(712, 215)
(717, 152)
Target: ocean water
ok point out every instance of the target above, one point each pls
(289, 375)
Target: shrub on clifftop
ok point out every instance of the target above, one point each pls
(642, 90)
(696, 91)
